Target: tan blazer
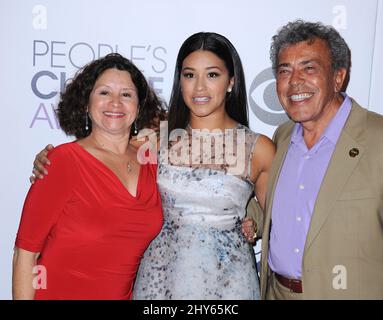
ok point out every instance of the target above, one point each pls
(343, 255)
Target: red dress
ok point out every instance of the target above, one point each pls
(90, 230)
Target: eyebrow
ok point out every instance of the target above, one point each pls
(308, 61)
(208, 68)
(283, 65)
(107, 86)
(304, 62)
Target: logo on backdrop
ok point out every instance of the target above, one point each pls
(54, 62)
(263, 99)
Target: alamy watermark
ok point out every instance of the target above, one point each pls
(191, 147)
(40, 280)
(339, 282)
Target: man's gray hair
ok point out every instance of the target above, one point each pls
(300, 30)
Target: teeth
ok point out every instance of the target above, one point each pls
(201, 99)
(301, 96)
(114, 113)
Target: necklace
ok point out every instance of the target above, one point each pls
(102, 146)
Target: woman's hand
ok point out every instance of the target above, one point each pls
(39, 164)
(249, 229)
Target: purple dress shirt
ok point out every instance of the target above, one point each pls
(296, 192)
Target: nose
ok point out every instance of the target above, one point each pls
(115, 100)
(296, 78)
(200, 84)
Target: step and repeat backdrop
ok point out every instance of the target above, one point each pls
(43, 43)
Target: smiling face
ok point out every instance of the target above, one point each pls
(113, 102)
(307, 85)
(205, 81)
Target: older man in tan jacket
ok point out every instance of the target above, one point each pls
(323, 224)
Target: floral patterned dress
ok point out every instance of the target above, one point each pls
(200, 252)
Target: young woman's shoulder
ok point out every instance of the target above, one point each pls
(264, 151)
(265, 142)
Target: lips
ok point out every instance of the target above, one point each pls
(298, 97)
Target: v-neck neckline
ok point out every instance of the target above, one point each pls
(115, 177)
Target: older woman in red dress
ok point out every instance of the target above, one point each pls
(87, 223)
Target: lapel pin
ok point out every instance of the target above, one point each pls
(353, 152)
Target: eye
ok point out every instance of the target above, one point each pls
(283, 72)
(310, 68)
(104, 92)
(213, 74)
(127, 95)
(188, 75)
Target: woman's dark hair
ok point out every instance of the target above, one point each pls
(75, 98)
(235, 102)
